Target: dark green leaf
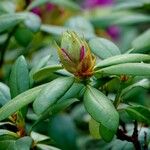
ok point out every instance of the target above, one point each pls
(101, 109)
(139, 113)
(19, 77)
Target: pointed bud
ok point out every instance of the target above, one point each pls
(75, 55)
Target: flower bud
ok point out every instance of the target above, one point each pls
(75, 55)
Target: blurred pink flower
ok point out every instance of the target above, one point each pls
(114, 32)
(96, 3)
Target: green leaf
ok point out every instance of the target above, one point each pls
(106, 133)
(139, 113)
(145, 83)
(94, 129)
(38, 66)
(134, 69)
(20, 144)
(62, 3)
(58, 127)
(10, 20)
(19, 77)
(101, 109)
(46, 147)
(20, 101)
(124, 58)
(7, 132)
(141, 43)
(51, 93)
(132, 19)
(4, 94)
(38, 137)
(103, 48)
(45, 72)
(58, 30)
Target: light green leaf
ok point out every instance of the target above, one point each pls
(134, 69)
(124, 58)
(19, 77)
(101, 109)
(51, 93)
(46, 147)
(94, 129)
(103, 48)
(141, 43)
(45, 72)
(62, 3)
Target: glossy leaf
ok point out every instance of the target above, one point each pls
(103, 48)
(19, 77)
(124, 58)
(19, 101)
(134, 69)
(45, 72)
(101, 109)
(139, 113)
(51, 93)
(141, 43)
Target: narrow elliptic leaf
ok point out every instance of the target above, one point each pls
(19, 77)
(51, 93)
(144, 83)
(4, 94)
(59, 106)
(7, 132)
(19, 101)
(124, 58)
(141, 43)
(62, 3)
(46, 147)
(101, 109)
(139, 113)
(103, 48)
(45, 72)
(134, 69)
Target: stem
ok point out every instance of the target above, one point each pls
(134, 138)
(5, 45)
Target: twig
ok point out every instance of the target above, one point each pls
(134, 138)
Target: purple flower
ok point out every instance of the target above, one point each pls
(113, 31)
